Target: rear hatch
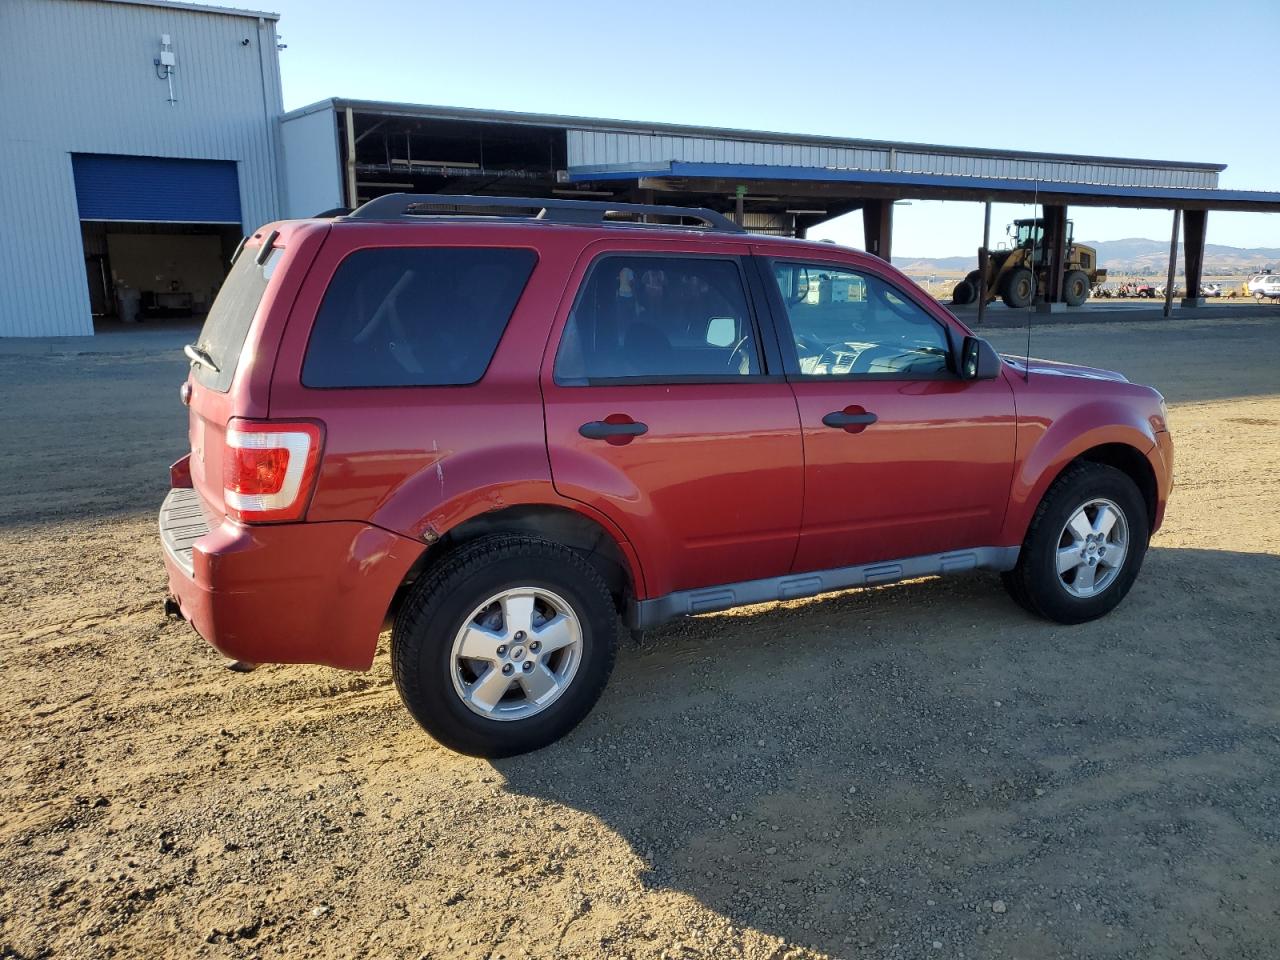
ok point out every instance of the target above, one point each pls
(231, 359)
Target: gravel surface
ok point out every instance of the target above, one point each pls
(919, 770)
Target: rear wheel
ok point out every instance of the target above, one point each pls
(1259, 297)
(1075, 288)
(1084, 546)
(964, 293)
(505, 646)
(1019, 287)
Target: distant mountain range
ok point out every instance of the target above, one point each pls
(1135, 255)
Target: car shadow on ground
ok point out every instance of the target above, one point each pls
(925, 764)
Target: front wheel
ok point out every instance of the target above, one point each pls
(505, 646)
(1075, 288)
(1020, 287)
(1084, 546)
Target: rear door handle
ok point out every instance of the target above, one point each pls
(613, 432)
(843, 419)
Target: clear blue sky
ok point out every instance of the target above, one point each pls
(1023, 77)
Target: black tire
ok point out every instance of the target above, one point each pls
(1019, 287)
(964, 293)
(1035, 584)
(441, 601)
(1259, 297)
(1075, 288)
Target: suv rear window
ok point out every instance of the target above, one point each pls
(669, 319)
(227, 323)
(414, 316)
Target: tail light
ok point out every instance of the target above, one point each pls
(269, 469)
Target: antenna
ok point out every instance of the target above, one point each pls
(1035, 202)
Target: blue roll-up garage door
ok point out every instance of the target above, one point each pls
(156, 189)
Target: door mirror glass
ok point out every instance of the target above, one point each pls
(978, 360)
(722, 331)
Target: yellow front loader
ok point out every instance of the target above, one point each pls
(1018, 273)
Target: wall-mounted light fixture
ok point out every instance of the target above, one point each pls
(165, 63)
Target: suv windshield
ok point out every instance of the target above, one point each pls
(225, 328)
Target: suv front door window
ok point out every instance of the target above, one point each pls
(902, 457)
(846, 322)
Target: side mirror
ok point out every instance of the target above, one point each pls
(978, 360)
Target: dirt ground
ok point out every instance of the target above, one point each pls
(920, 770)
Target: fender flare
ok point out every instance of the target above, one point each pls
(404, 513)
(1076, 433)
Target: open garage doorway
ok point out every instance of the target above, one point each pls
(158, 232)
(142, 272)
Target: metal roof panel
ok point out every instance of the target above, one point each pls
(595, 124)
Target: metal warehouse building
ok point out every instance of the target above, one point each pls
(140, 140)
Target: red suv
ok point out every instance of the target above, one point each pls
(501, 424)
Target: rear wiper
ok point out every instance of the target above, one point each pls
(201, 356)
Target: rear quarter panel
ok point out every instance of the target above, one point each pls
(420, 460)
(249, 394)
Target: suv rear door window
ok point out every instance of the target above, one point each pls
(227, 323)
(414, 316)
(659, 318)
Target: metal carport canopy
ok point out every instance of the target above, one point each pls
(838, 184)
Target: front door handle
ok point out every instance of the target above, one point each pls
(615, 431)
(850, 419)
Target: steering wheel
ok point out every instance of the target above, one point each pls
(739, 362)
(869, 355)
(807, 343)
(829, 357)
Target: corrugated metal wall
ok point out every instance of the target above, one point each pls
(78, 77)
(313, 170)
(597, 148)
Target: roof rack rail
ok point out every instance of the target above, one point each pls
(395, 206)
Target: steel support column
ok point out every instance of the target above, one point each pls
(1173, 264)
(353, 200)
(877, 228)
(1055, 251)
(804, 222)
(984, 258)
(1193, 231)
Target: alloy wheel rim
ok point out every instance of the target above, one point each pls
(516, 653)
(1092, 548)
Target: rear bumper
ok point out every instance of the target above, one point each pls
(283, 593)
